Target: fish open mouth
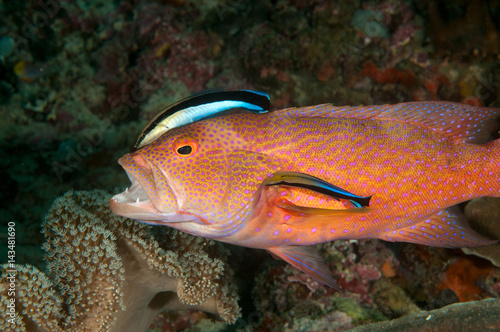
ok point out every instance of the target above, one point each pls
(133, 202)
(136, 203)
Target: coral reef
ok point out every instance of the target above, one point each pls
(461, 276)
(419, 278)
(286, 298)
(107, 273)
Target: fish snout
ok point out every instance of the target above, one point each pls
(140, 161)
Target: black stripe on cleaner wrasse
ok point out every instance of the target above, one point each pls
(306, 181)
(201, 106)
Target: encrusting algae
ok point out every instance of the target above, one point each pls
(107, 273)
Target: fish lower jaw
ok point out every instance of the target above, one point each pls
(132, 203)
(133, 195)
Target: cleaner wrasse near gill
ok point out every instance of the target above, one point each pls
(288, 179)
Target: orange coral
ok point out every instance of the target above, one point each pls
(388, 270)
(389, 75)
(434, 81)
(474, 101)
(326, 71)
(461, 277)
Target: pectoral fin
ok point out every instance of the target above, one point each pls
(306, 181)
(271, 203)
(315, 217)
(308, 260)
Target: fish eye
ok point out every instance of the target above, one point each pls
(185, 147)
(185, 150)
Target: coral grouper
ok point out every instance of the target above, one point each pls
(288, 179)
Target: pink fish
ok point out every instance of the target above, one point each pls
(286, 180)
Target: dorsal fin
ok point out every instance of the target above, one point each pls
(461, 122)
(200, 106)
